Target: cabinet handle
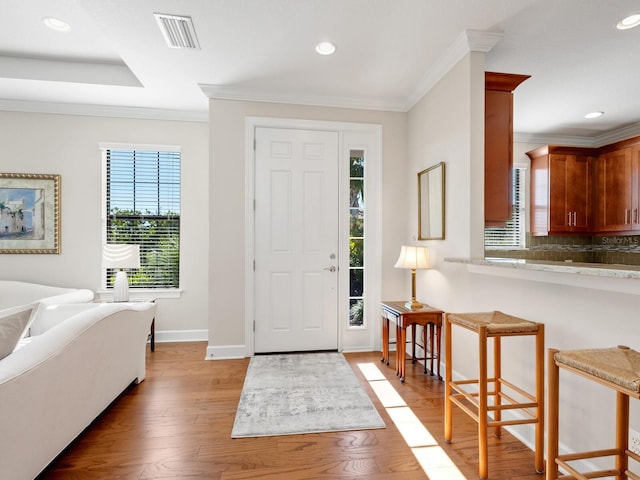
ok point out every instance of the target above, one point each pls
(569, 220)
(626, 216)
(575, 219)
(635, 215)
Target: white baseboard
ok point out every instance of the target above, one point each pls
(182, 336)
(226, 352)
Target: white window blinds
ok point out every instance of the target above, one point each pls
(143, 208)
(512, 234)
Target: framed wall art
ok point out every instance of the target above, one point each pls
(29, 213)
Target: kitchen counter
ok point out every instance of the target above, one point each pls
(587, 269)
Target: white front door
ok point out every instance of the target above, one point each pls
(296, 240)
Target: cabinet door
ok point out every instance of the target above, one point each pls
(614, 191)
(558, 181)
(635, 187)
(569, 193)
(579, 198)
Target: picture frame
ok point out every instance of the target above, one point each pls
(29, 213)
(431, 198)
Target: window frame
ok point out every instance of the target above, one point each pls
(136, 293)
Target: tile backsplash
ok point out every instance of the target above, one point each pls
(621, 250)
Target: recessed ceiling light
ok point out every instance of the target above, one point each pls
(629, 22)
(56, 24)
(594, 114)
(325, 48)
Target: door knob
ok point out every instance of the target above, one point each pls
(331, 268)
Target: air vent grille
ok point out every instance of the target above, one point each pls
(178, 31)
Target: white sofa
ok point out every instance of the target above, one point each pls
(59, 381)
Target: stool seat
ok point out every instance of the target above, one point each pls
(496, 322)
(619, 366)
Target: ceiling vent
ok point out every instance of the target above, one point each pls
(178, 31)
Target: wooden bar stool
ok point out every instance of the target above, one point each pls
(473, 396)
(617, 368)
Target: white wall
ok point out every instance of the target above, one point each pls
(444, 126)
(227, 131)
(68, 145)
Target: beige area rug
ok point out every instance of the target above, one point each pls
(302, 393)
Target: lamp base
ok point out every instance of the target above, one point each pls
(414, 305)
(121, 287)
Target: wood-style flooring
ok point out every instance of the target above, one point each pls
(177, 425)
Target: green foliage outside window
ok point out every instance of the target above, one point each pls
(159, 240)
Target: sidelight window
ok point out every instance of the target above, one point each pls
(356, 238)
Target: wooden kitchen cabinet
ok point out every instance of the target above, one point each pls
(562, 181)
(618, 190)
(498, 146)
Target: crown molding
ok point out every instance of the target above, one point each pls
(542, 139)
(467, 41)
(260, 95)
(612, 136)
(105, 111)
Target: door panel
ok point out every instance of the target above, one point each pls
(296, 240)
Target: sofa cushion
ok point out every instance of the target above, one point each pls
(14, 322)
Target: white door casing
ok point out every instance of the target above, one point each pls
(296, 240)
(367, 137)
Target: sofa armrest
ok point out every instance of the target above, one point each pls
(48, 316)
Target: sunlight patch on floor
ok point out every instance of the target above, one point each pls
(432, 458)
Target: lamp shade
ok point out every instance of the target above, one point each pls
(121, 256)
(413, 258)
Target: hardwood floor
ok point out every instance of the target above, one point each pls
(177, 425)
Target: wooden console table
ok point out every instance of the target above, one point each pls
(403, 317)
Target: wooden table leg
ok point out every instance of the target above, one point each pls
(153, 335)
(397, 350)
(385, 340)
(401, 347)
(424, 343)
(438, 329)
(413, 343)
(428, 326)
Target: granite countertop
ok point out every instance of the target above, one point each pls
(593, 269)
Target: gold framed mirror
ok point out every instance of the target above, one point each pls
(431, 218)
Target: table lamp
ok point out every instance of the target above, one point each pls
(121, 256)
(413, 258)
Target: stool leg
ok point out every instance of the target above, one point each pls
(553, 386)
(447, 380)
(497, 375)
(483, 454)
(539, 440)
(622, 434)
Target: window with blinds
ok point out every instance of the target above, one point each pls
(143, 207)
(512, 234)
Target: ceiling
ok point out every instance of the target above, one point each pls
(114, 60)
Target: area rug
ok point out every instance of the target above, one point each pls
(302, 393)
